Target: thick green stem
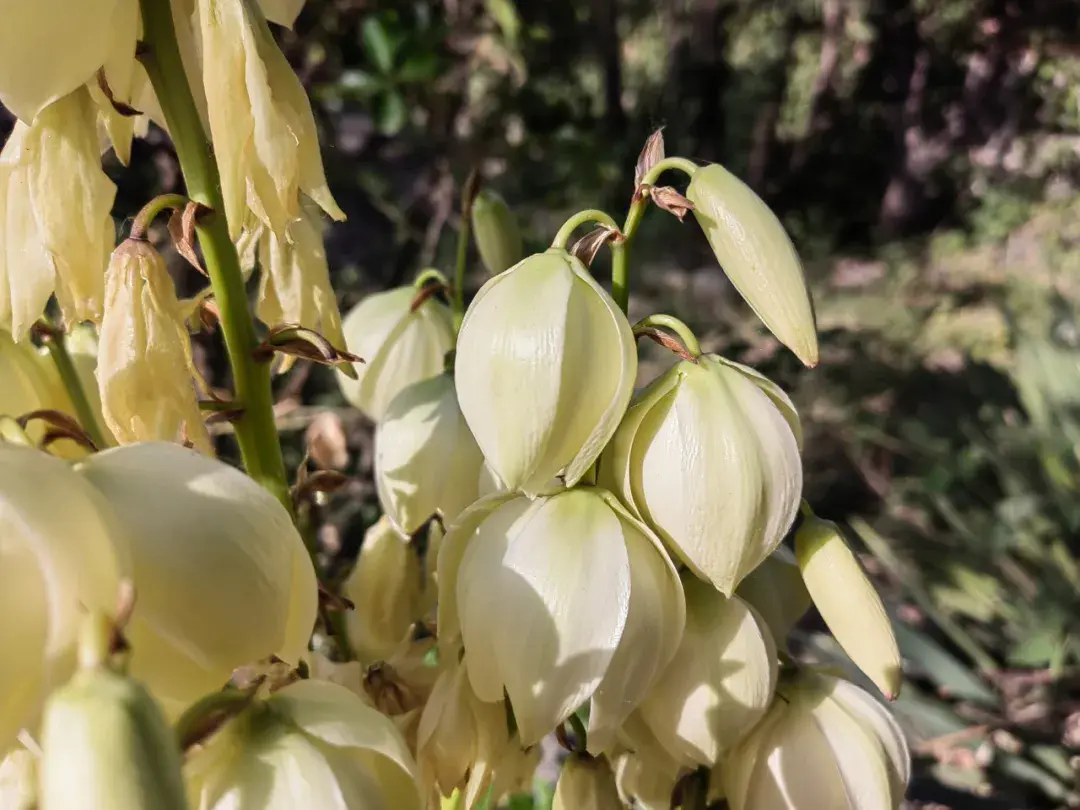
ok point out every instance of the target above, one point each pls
(576, 221)
(255, 429)
(620, 252)
(457, 301)
(54, 343)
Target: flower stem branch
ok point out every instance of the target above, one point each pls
(53, 340)
(150, 211)
(620, 251)
(651, 325)
(468, 197)
(255, 430)
(576, 221)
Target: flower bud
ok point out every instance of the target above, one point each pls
(19, 780)
(642, 783)
(58, 557)
(708, 456)
(310, 744)
(848, 603)
(776, 591)
(222, 575)
(385, 587)
(559, 600)
(586, 783)
(544, 369)
(496, 232)
(399, 347)
(426, 459)
(145, 368)
(757, 255)
(827, 743)
(55, 227)
(720, 681)
(264, 134)
(106, 744)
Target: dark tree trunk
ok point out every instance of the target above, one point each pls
(606, 16)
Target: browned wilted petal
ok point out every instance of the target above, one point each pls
(671, 201)
(589, 245)
(651, 154)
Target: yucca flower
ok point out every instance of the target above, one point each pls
(775, 589)
(19, 780)
(643, 782)
(586, 783)
(496, 232)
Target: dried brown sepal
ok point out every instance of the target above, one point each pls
(334, 601)
(651, 154)
(320, 481)
(298, 341)
(60, 426)
(665, 340)
(204, 727)
(182, 223)
(122, 108)
(469, 191)
(668, 199)
(219, 414)
(425, 292)
(390, 694)
(589, 245)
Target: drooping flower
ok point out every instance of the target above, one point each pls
(400, 346)
(775, 589)
(310, 744)
(559, 600)
(426, 459)
(544, 369)
(644, 782)
(708, 456)
(586, 783)
(757, 255)
(18, 780)
(827, 743)
(221, 574)
(496, 232)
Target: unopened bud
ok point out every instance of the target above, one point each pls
(775, 589)
(586, 783)
(495, 229)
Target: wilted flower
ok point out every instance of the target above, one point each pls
(776, 591)
(757, 255)
(264, 134)
(708, 455)
(400, 346)
(58, 558)
(496, 232)
(848, 602)
(827, 743)
(559, 600)
(18, 780)
(55, 228)
(544, 369)
(145, 368)
(222, 575)
(106, 744)
(720, 681)
(426, 459)
(385, 587)
(586, 783)
(310, 744)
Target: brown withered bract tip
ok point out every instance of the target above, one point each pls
(587, 247)
(651, 154)
(668, 199)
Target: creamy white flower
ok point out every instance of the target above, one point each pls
(82, 347)
(586, 783)
(221, 574)
(644, 783)
(426, 459)
(775, 589)
(708, 456)
(827, 743)
(311, 744)
(720, 681)
(59, 555)
(385, 587)
(496, 232)
(24, 384)
(18, 780)
(399, 346)
(559, 600)
(757, 255)
(544, 369)
(848, 602)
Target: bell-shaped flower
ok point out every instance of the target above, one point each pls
(264, 134)
(58, 557)
(55, 228)
(644, 783)
(145, 368)
(544, 369)
(708, 456)
(826, 743)
(757, 255)
(776, 591)
(106, 744)
(586, 783)
(426, 459)
(294, 286)
(848, 602)
(50, 48)
(720, 681)
(399, 344)
(559, 600)
(222, 575)
(310, 744)
(496, 232)
(386, 590)
(19, 780)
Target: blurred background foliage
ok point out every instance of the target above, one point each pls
(925, 156)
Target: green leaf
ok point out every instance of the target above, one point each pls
(945, 670)
(361, 83)
(421, 67)
(391, 114)
(377, 44)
